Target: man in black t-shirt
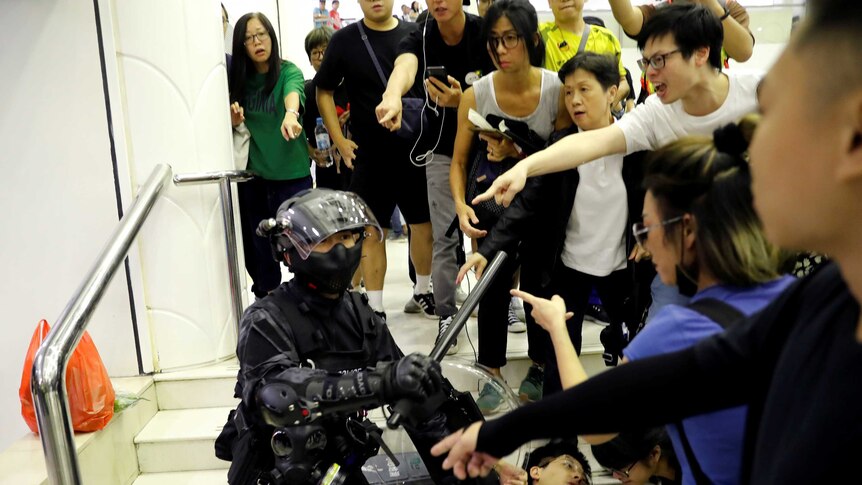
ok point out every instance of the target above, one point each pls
(383, 172)
(452, 39)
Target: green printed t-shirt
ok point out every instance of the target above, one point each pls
(270, 155)
(560, 46)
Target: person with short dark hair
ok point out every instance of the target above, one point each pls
(558, 462)
(572, 225)
(796, 364)
(329, 171)
(564, 34)
(321, 15)
(640, 457)
(451, 39)
(376, 155)
(334, 16)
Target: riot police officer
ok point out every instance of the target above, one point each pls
(313, 355)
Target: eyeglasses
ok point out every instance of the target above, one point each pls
(641, 232)
(657, 61)
(318, 52)
(261, 36)
(625, 472)
(510, 41)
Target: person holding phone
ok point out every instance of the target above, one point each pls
(522, 91)
(445, 56)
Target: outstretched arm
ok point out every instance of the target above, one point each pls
(400, 81)
(570, 152)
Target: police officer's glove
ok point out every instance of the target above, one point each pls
(614, 339)
(414, 376)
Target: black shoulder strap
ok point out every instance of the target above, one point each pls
(718, 311)
(371, 52)
(725, 316)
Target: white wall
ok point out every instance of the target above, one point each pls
(57, 192)
(168, 93)
(173, 95)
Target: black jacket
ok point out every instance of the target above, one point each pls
(535, 223)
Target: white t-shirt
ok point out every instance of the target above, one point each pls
(595, 235)
(654, 124)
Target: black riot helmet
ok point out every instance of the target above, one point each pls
(309, 218)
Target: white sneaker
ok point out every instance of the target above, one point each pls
(460, 296)
(515, 324)
(442, 326)
(518, 307)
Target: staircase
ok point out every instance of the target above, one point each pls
(168, 437)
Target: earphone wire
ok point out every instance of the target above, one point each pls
(428, 156)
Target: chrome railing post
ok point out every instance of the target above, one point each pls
(224, 179)
(233, 269)
(48, 383)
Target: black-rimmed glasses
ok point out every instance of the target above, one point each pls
(641, 231)
(510, 41)
(261, 36)
(656, 62)
(625, 472)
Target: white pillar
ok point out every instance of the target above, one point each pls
(172, 92)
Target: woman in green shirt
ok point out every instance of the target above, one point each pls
(267, 94)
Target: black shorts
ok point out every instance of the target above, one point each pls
(384, 177)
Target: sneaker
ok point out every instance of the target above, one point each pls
(382, 315)
(411, 306)
(490, 399)
(442, 326)
(515, 324)
(596, 314)
(460, 296)
(530, 389)
(424, 303)
(518, 307)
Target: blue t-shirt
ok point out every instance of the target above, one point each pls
(716, 438)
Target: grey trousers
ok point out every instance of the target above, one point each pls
(444, 267)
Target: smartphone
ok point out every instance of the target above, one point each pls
(438, 72)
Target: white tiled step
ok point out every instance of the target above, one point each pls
(206, 477)
(181, 440)
(205, 387)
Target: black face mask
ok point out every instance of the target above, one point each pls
(329, 272)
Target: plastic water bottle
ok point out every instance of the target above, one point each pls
(321, 136)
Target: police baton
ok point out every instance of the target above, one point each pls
(458, 321)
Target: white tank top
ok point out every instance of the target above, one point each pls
(541, 120)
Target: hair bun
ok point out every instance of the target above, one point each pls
(731, 140)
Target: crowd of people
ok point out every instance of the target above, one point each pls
(679, 203)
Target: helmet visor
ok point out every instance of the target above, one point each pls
(309, 222)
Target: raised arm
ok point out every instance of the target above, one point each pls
(630, 18)
(738, 40)
(570, 152)
(400, 81)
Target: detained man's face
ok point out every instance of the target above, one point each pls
(794, 155)
(563, 470)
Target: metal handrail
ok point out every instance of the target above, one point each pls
(48, 383)
(224, 179)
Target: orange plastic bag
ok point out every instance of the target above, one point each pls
(91, 395)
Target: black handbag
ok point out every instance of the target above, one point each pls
(413, 115)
